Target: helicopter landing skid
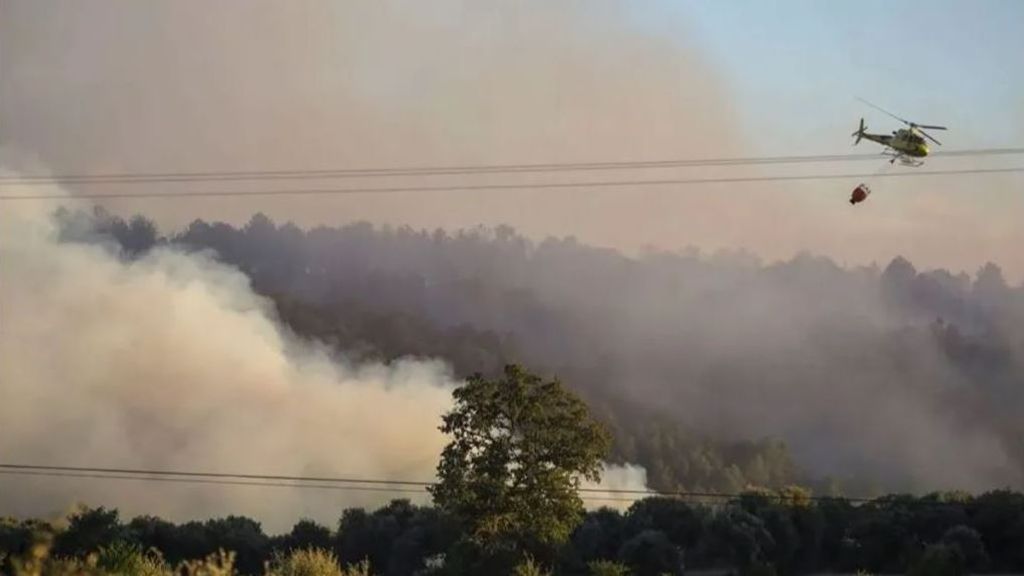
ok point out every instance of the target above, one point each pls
(904, 160)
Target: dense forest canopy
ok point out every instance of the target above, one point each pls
(715, 372)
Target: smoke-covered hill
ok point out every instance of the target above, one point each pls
(715, 371)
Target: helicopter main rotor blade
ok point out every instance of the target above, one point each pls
(930, 127)
(907, 122)
(926, 135)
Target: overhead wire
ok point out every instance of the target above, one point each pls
(496, 187)
(266, 484)
(226, 482)
(337, 173)
(364, 484)
(194, 474)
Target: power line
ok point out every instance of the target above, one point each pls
(226, 482)
(268, 484)
(357, 484)
(191, 474)
(498, 187)
(589, 494)
(250, 479)
(332, 173)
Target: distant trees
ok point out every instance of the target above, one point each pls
(88, 530)
(396, 539)
(307, 534)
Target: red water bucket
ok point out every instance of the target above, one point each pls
(860, 193)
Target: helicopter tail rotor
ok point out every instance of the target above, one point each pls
(859, 133)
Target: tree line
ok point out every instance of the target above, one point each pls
(760, 533)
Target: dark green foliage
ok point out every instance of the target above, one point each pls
(651, 553)
(598, 537)
(197, 540)
(519, 448)
(680, 522)
(307, 534)
(187, 541)
(243, 536)
(89, 530)
(741, 537)
(761, 534)
(939, 560)
(999, 517)
(396, 539)
(967, 543)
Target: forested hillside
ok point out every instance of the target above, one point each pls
(715, 372)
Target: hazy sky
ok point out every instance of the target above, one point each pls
(121, 86)
(794, 67)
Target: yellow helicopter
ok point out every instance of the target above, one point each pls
(906, 144)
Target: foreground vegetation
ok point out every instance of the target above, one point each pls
(758, 534)
(123, 558)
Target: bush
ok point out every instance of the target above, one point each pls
(939, 560)
(307, 562)
(129, 559)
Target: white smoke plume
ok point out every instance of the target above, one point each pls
(172, 362)
(617, 488)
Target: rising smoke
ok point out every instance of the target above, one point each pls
(908, 379)
(171, 362)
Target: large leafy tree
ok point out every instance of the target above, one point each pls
(520, 447)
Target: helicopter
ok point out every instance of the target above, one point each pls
(906, 144)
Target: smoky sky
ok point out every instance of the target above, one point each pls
(119, 86)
